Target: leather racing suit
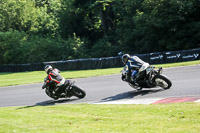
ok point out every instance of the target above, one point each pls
(134, 65)
(54, 76)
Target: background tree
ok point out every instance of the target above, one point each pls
(46, 30)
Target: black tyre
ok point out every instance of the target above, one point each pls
(78, 92)
(162, 81)
(135, 87)
(50, 94)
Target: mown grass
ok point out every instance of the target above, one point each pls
(9, 79)
(90, 118)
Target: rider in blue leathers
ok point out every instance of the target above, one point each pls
(134, 64)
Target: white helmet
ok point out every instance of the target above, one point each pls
(48, 68)
(125, 58)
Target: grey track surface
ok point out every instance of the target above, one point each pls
(185, 82)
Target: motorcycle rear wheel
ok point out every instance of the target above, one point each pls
(162, 81)
(78, 92)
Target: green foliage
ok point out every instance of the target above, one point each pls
(24, 15)
(46, 30)
(125, 23)
(12, 48)
(18, 47)
(104, 48)
(167, 25)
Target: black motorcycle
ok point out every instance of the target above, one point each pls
(149, 78)
(67, 90)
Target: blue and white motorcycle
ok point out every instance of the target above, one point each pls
(149, 78)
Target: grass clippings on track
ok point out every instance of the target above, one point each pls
(90, 118)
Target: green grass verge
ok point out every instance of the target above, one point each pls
(90, 118)
(9, 79)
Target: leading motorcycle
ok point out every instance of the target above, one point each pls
(150, 78)
(68, 90)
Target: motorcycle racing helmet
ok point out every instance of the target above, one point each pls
(125, 58)
(48, 68)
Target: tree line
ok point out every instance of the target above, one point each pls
(47, 30)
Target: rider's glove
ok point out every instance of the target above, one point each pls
(44, 86)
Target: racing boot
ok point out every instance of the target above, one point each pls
(134, 81)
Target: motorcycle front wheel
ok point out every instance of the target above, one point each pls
(50, 94)
(78, 92)
(162, 81)
(135, 87)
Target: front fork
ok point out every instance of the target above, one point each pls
(68, 89)
(160, 70)
(153, 73)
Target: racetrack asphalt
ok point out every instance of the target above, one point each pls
(110, 88)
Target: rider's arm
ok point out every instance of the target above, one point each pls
(137, 59)
(56, 70)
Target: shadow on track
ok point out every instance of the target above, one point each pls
(50, 103)
(131, 94)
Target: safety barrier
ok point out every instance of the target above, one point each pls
(107, 62)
